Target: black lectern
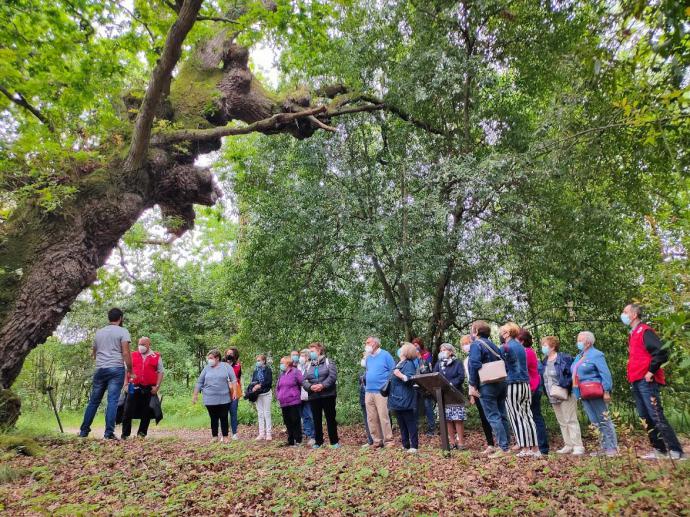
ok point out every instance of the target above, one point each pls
(444, 393)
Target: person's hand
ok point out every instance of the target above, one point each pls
(474, 392)
(649, 377)
(154, 390)
(472, 400)
(257, 387)
(194, 398)
(317, 387)
(607, 397)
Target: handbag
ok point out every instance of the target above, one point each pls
(493, 371)
(558, 393)
(591, 390)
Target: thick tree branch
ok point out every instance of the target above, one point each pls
(160, 82)
(20, 100)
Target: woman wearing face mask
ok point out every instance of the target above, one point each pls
(288, 390)
(535, 386)
(402, 398)
(320, 383)
(305, 407)
(216, 384)
(466, 343)
(426, 400)
(454, 372)
(558, 385)
(232, 357)
(592, 382)
(262, 379)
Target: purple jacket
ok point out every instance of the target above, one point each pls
(289, 388)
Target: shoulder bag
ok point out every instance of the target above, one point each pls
(493, 371)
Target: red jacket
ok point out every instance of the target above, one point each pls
(639, 358)
(145, 369)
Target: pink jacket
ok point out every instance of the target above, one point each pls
(532, 369)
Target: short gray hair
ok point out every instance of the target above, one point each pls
(637, 309)
(447, 346)
(375, 340)
(588, 336)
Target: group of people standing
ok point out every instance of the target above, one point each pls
(505, 383)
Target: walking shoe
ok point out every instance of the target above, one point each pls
(611, 453)
(578, 451)
(565, 450)
(461, 447)
(489, 449)
(365, 446)
(654, 455)
(537, 454)
(677, 456)
(315, 446)
(498, 453)
(235, 437)
(524, 453)
(221, 439)
(335, 446)
(311, 441)
(260, 437)
(269, 438)
(412, 450)
(111, 437)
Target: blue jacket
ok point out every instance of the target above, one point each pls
(264, 377)
(593, 368)
(402, 395)
(562, 365)
(454, 372)
(516, 362)
(480, 355)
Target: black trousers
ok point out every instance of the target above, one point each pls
(486, 426)
(137, 404)
(319, 407)
(218, 413)
(293, 423)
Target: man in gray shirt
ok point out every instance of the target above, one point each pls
(111, 352)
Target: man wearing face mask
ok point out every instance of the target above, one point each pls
(646, 376)
(147, 367)
(379, 368)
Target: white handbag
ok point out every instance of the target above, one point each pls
(558, 393)
(493, 371)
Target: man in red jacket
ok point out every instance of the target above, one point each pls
(147, 367)
(646, 354)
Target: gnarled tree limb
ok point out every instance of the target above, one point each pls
(20, 100)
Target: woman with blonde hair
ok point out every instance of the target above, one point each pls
(402, 397)
(519, 395)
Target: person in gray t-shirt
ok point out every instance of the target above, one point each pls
(111, 352)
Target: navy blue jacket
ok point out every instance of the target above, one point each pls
(562, 365)
(268, 379)
(454, 372)
(480, 355)
(516, 362)
(402, 395)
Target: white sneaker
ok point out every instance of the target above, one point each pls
(537, 454)
(677, 456)
(269, 438)
(412, 450)
(311, 442)
(260, 437)
(524, 453)
(565, 450)
(578, 451)
(221, 439)
(235, 437)
(489, 450)
(654, 455)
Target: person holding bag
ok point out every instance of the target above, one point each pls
(487, 381)
(558, 385)
(232, 357)
(262, 382)
(592, 383)
(402, 397)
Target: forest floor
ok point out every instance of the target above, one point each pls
(180, 472)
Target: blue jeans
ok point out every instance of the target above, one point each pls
(407, 421)
(232, 408)
(648, 402)
(112, 380)
(430, 417)
(493, 400)
(598, 413)
(542, 436)
(307, 419)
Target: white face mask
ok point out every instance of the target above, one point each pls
(142, 349)
(443, 355)
(466, 348)
(302, 359)
(211, 362)
(368, 349)
(363, 362)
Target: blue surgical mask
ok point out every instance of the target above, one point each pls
(282, 367)
(399, 352)
(580, 346)
(545, 350)
(313, 355)
(259, 364)
(625, 319)
(294, 358)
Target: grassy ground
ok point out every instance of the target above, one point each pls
(178, 472)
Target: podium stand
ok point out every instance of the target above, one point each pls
(444, 393)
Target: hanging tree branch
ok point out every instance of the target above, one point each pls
(20, 100)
